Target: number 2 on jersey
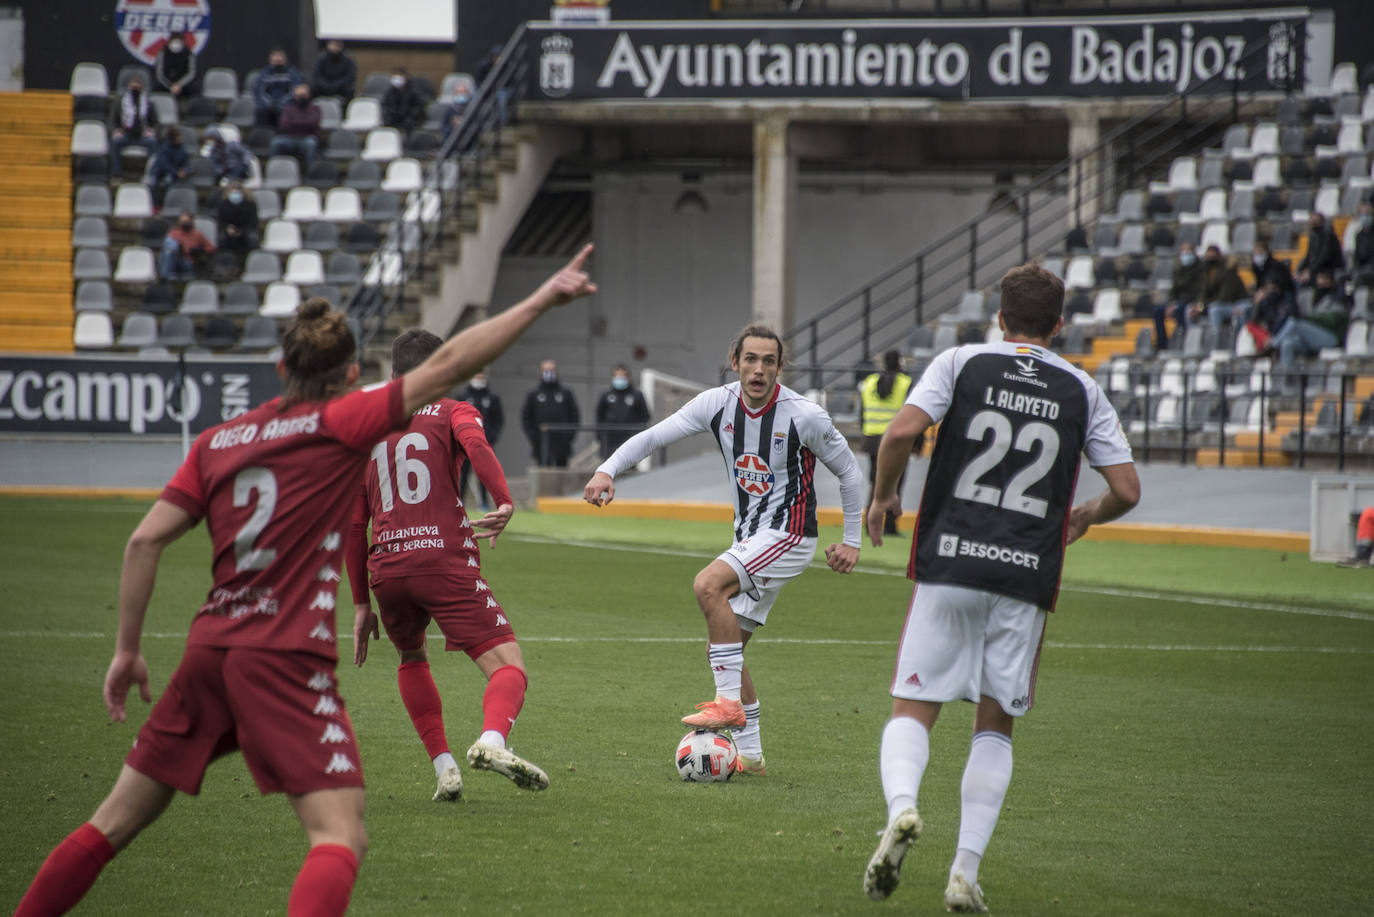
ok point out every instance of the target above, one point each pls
(412, 477)
(247, 556)
(1014, 498)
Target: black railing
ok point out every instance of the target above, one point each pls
(458, 168)
(1030, 219)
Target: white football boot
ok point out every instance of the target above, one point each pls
(964, 897)
(522, 773)
(450, 785)
(884, 870)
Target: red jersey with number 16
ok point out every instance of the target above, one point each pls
(275, 487)
(419, 526)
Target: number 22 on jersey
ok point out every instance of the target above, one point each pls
(412, 476)
(1003, 440)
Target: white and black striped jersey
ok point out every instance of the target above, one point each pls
(770, 455)
(1015, 420)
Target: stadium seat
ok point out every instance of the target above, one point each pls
(383, 270)
(259, 333)
(94, 296)
(261, 267)
(282, 172)
(422, 144)
(1243, 236)
(93, 331)
(324, 291)
(139, 330)
(1211, 174)
(89, 79)
(1216, 233)
(304, 268)
(342, 145)
(403, 175)
(281, 236)
(269, 203)
(159, 298)
(361, 238)
(342, 205)
(322, 237)
(1162, 274)
(219, 333)
(424, 207)
(1290, 111)
(1079, 274)
(133, 201)
(200, 298)
(344, 269)
(200, 112)
(136, 265)
(363, 175)
(331, 113)
(1328, 201)
(383, 145)
(1344, 78)
(208, 228)
(202, 172)
(1267, 173)
(90, 232)
(280, 300)
(242, 113)
(375, 84)
(91, 264)
(434, 116)
(362, 114)
(382, 207)
(241, 297)
(92, 200)
(89, 139)
(1242, 204)
(221, 84)
(177, 332)
(179, 198)
(1183, 174)
(1236, 141)
(322, 174)
(1107, 306)
(302, 204)
(1213, 206)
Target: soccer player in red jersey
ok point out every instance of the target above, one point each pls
(424, 564)
(258, 672)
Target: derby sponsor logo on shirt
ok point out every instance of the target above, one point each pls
(752, 475)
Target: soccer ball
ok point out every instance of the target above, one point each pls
(704, 756)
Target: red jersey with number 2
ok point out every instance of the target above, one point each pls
(419, 525)
(275, 487)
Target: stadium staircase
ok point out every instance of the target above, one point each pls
(35, 221)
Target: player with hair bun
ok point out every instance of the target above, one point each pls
(258, 671)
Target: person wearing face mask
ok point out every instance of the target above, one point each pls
(170, 163)
(1272, 278)
(184, 249)
(402, 107)
(1362, 259)
(550, 402)
(175, 70)
(229, 157)
(1184, 295)
(488, 404)
(272, 92)
(133, 122)
(298, 127)
(238, 219)
(1305, 336)
(621, 404)
(335, 72)
(1323, 250)
(1222, 289)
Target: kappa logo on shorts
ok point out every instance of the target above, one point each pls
(915, 679)
(324, 601)
(331, 542)
(469, 543)
(320, 682)
(321, 632)
(501, 619)
(326, 706)
(340, 764)
(472, 562)
(492, 603)
(482, 587)
(333, 734)
(753, 475)
(949, 545)
(328, 574)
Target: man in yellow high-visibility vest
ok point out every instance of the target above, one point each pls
(881, 396)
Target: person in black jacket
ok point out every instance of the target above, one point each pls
(402, 107)
(488, 404)
(1362, 266)
(549, 403)
(133, 122)
(622, 403)
(1323, 251)
(175, 70)
(335, 73)
(237, 217)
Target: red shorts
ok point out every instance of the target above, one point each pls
(461, 604)
(281, 709)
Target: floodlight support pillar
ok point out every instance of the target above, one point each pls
(775, 193)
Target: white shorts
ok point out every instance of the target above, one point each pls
(961, 643)
(764, 562)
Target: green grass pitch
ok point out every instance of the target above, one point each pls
(1199, 743)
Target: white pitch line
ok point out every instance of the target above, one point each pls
(793, 641)
(1087, 590)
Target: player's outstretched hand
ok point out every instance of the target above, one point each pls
(571, 282)
(842, 558)
(126, 670)
(878, 511)
(364, 627)
(494, 522)
(600, 490)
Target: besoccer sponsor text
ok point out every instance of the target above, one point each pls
(955, 546)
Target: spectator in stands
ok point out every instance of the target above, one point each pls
(175, 69)
(1324, 327)
(184, 249)
(1323, 251)
(1185, 293)
(298, 128)
(170, 161)
(402, 107)
(272, 92)
(238, 219)
(453, 114)
(550, 402)
(229, 157)
(335, 72)
(1223, 291)
(1362, 259)
(621, 404)
(133, 122)
(1271, 275)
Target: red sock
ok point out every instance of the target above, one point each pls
(504, 697)
(324, 883)
(423, 704)
(67, 874)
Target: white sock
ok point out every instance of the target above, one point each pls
(986, 777)
(492, 737)
(902, 761)
(748, 739)
(727, 664)
(443, 762)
